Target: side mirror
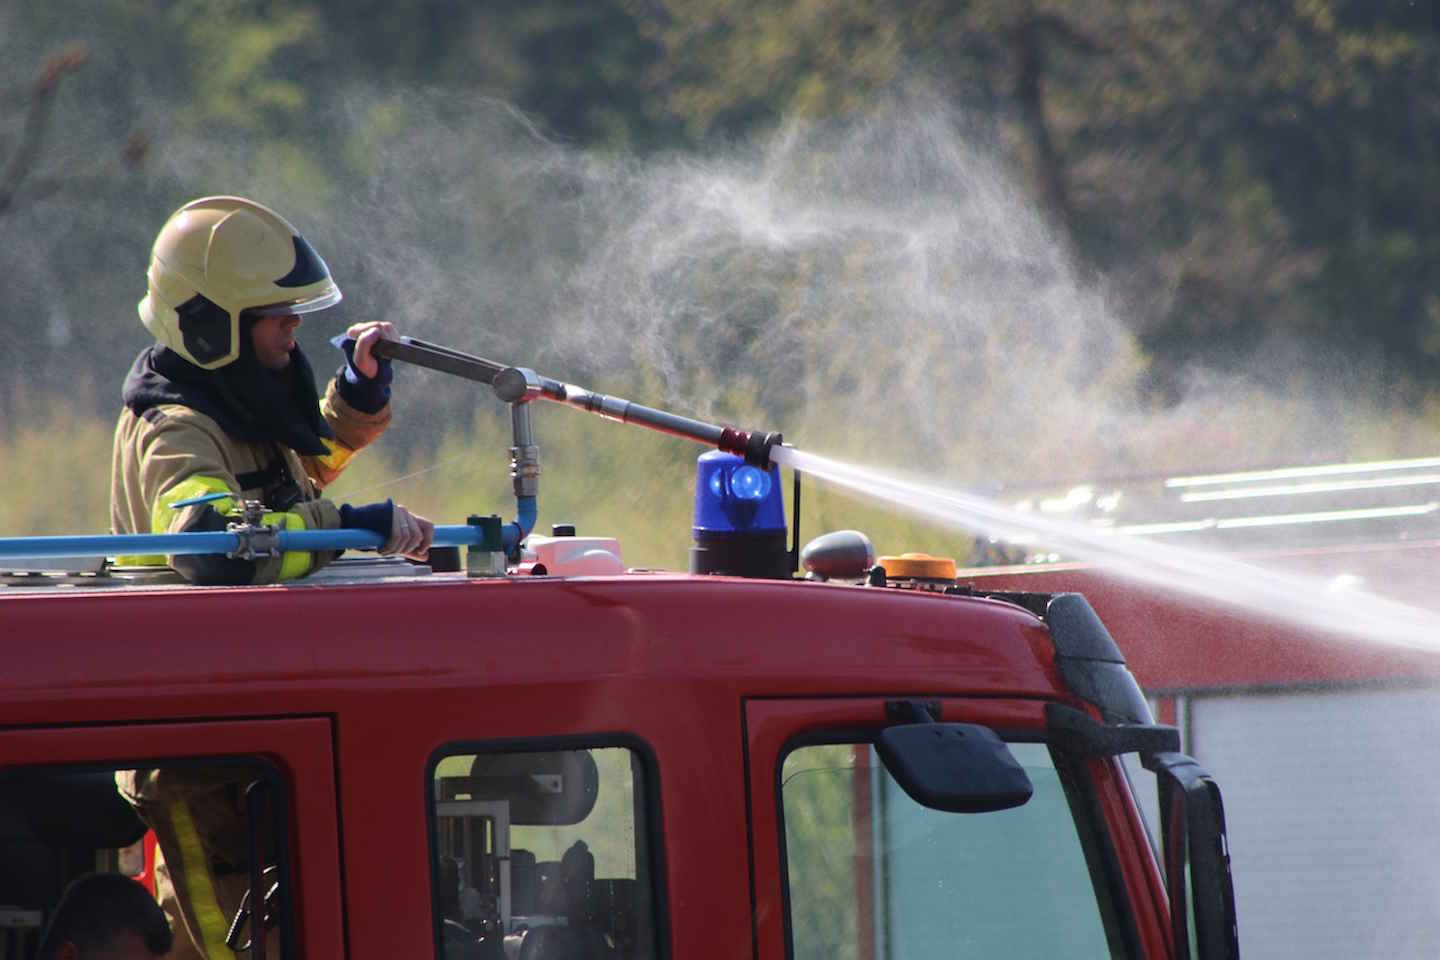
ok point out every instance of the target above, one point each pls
(1197, 859)
(956, 767)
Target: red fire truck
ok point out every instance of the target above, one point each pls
(557, 756)
(711, 741)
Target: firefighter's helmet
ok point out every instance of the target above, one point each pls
(217, 257)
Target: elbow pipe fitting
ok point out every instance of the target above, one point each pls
(518, 385)
(514, 532)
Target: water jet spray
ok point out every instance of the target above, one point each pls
(1209, 576)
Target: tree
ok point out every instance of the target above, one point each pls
(1243, 175)
(20, 181)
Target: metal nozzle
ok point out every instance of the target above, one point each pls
(525, 454)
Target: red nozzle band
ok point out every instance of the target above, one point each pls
(733, 441)
(753, 445)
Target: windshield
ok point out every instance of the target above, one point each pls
(872, 875)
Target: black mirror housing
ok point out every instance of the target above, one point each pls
(551, 788)
(956, 767)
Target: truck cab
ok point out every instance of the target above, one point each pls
(628, 764)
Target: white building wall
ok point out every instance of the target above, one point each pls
(1333, 805)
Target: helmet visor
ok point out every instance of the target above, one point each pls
(287, 307)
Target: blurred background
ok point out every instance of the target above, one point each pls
(999, 245)
(1044, 251)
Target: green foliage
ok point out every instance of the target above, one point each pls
(57, 475)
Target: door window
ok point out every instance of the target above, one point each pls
(198, 840)
(873, 875)
(544, 853)
(228, 825)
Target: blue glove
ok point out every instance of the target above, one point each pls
(378, 517)
(366, 394)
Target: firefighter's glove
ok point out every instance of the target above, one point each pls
(367, 393)
(407, 534)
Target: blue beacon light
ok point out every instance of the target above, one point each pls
(739, 523)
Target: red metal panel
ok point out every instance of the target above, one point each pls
(693, 733)
(1166, 711)
(300, 747)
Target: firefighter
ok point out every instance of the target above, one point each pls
(225, 402)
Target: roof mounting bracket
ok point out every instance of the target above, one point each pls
(912, 711)
(1108, 740)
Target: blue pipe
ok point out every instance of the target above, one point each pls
(171, 544)
(136, 544)
(526, 511)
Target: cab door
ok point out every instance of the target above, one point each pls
(846, 863)
(62, 814)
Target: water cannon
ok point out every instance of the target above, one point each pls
(522, 385)
(739, 520)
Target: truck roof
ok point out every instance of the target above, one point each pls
(88, 650)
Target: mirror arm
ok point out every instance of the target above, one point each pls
(1107, 740)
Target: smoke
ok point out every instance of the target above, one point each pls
(879, 286)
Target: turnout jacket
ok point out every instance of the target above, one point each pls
(172, 451)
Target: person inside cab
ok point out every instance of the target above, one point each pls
(224, 408)
(106, 916)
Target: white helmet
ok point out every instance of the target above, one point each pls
(218, 257)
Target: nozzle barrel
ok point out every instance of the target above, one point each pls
(753, 445)
(520, 385)
(624, 411)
